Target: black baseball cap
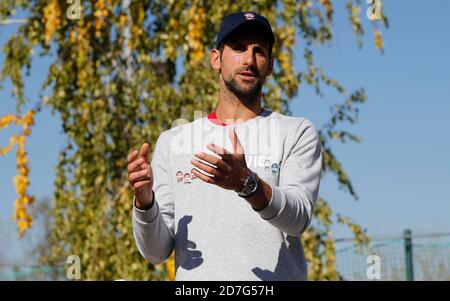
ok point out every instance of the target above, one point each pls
(233, 21)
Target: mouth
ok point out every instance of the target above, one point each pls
(247, 75)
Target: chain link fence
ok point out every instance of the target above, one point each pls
(26, 272)
(408, 257)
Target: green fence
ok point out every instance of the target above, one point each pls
(405, 257)
(26, 272)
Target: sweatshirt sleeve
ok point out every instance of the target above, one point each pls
(292, 203)
(153, 228)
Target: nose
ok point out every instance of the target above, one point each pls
(250, 58)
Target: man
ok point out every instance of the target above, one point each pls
(235, 219)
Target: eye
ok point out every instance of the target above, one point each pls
(260, 50)
(239, 47)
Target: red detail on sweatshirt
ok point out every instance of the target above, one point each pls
(213, 118)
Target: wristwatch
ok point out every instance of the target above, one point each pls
(250, 185)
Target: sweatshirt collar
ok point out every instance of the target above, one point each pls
(214, 119)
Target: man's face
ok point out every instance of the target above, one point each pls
(244, 63)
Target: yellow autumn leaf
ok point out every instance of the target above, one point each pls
(379, 40)
(170, 267)
(6, 120)
(195, 32)
(328, 8)
(51, 19)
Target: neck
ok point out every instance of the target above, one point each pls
(232, 110)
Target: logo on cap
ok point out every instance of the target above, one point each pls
(249, 16)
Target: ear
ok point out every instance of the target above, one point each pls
(215, 59)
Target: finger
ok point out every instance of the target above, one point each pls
(194, 254)
(132, 156)
(206, 168)
(203, 177)
(139, 176)
(237, 146)
(190, 244)
(217, 149)
(143, 152)
(218, 162)
(141, 184)
(136, 165)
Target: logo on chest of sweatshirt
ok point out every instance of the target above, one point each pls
(185, 178)
(271, 167)
(263, 163)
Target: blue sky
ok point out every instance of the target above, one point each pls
(400, 170)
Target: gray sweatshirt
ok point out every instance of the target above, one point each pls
(215, 233)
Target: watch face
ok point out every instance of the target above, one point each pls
(250, 184)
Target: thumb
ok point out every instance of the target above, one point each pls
(143, 152)
(237, 146)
